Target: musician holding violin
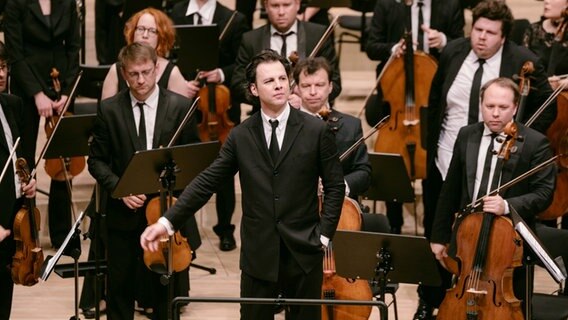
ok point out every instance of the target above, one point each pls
(285, 34)
(12, 191)
(476, 169)
(219, 111)
(145, 116)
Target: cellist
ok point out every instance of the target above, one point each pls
(207, 12)
(472, 173)
(12, 192)
(454, 95)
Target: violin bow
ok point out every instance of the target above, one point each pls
(222, 35)
(188, 115)
(324, 37)
(9, 161)
(546, 103)
(374, 129)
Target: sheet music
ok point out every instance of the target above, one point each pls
(51, 261)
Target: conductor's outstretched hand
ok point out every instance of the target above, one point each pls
(150, 238)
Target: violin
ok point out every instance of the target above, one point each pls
(524, 88)
(60, 169)
(488, 250)
(28, 259)
(405, 82)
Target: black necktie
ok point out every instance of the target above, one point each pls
(283, 49)
(420, 23)
(486, 168)
(273, 148)
(142, 127)
(474, 94)
(199, 19)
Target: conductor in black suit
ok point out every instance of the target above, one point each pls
(284, 34)
(145, 116)
(465, 179)
(280, 153)
(206, 12)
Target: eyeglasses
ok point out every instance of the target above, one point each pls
(144, 73)
(142, 30)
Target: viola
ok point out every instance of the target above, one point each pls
(405, 82)
(28, 259)
(64, 168)
(181, 251)
(488, 250)
(214, 103)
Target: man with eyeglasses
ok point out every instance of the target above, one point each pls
(144, 116)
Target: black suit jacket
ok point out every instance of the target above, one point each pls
(280, 202)
(12, 107)
(388, 25)
(229, 45)
(35, 47)
(529, 197)
(115, 140)
(512, 60)
(256, 40)
(356, 167)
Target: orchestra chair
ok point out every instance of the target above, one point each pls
(552, 306)
(358, 23)
(90, 86)
(376, 222)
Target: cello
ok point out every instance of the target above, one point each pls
(406, 84)
(28, 258)
(488, 250)
(215, 100)
(335, 287)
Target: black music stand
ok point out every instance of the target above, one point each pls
(189, 59)
(328, 3)
(90, 86)
(132, 6)
(166, 170)
(384, 258)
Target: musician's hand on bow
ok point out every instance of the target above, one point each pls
(29, 189)
(192, 88)
(556, 81)
(4, 233)
(399, 49)
(150, 238)
(134, 201)
(436, 39)
(494, 204)
(295, 101)
(44, 104)
(60, 104)
(213, 76)
(440, 252)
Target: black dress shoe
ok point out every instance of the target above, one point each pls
(395, 230)
(228, 242)
(89, 313)
(424, 311)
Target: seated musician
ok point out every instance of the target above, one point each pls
(499, 101)
(144, 116)
(207, 12)
(313, 79)
(12, 192)
(284, 34)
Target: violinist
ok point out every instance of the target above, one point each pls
(118, 133)
(208, 12)
(549, 40)
(442, 21)
(282, 233)
(285, 34)
(41, 35)
(465, 65)
(499, 101)
(313, 78)
(11, 190)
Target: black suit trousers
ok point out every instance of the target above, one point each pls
(292, 282)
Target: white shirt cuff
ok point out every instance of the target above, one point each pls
(324, 240)
(168, 225)
(507, 210)
(347, 190)
(221, 74)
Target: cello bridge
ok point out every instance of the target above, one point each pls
(409, 123)
(475, 291)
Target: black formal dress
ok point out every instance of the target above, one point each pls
(13, 112)
(36, 44)
(115, 141)
(281, 227)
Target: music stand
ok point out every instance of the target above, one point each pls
(72, 137)
(166, 170)
(190, 60)
(132, 6)
(384, 258)
(328, 3)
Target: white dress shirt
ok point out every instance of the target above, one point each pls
(9, 139)
(150, 109)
